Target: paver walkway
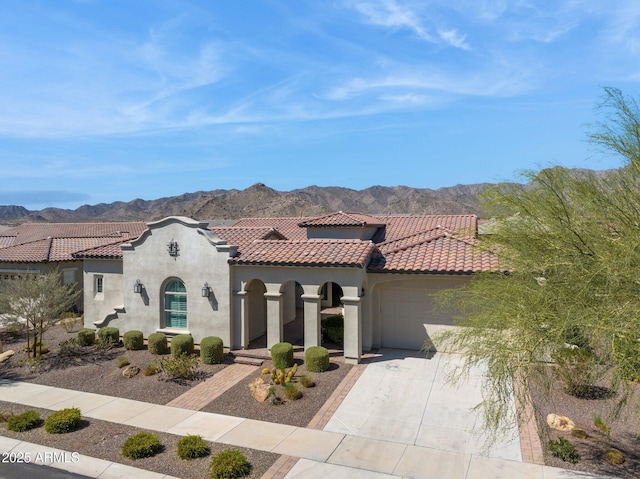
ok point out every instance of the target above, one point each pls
(199, 396)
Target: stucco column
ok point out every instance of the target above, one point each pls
(312, 335)
(275, 328)
(352, 329)
(240, 326)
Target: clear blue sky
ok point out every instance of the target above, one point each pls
(106, 100)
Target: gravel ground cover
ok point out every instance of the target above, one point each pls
(624, 430)
(96, 371)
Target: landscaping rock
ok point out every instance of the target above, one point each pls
(560, 423)
(259, 389)
(130, 371)
(6, 355)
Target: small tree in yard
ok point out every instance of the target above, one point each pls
(569, 276)
(36, 300)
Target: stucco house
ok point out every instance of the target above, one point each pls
(248, 282)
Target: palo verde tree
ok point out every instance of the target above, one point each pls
(36, 301)
(565, 298)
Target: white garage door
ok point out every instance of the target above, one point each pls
(403, 314)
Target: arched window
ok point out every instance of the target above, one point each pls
(175, 304)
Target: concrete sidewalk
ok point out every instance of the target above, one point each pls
(341, 454)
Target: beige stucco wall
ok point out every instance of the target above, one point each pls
(199, 261)
(98, 306)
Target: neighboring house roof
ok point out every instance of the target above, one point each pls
(29, 232)
(341, 219)
(351, 253)
(288, 226)
(244, 236)
(103, 251)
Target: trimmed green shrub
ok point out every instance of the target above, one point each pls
(564, 450)
(182, 344)
(25, 421)
(86, 337)
(143, 444)
(63, 421)
(316, 359)
(133, 340)
(291, 392)
(157, 343)
(229, 464)
(211, 350)
(123, 361)
(333, 329)
(110, 334)
(282, 355)
(192, 447)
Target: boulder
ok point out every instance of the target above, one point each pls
(560, 423)
(6, 355)
(260, 390)
(130, 371)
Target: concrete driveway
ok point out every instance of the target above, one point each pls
(403, 397)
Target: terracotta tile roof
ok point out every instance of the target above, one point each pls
(341, 219)
(7, 240)
(244, 236)
(347, 253)
(104, 251)
(29, 232)
(288, 226)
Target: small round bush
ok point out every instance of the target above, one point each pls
(157, 343)
(192, 447)
(86, 337)
(211, 351)
(316, 359)
(109, 333)
(306, 381)
(282, 355)
(133, 340)
(182, 344)
(123, 361)
(63, 421)
(229, 464)
(143, 444)
(25, 421)
(291, 392)
(151, 369)
(613, 456)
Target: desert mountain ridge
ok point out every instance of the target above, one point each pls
(259, 200)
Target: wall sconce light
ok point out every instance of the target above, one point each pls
(173, 248)
(137, 287)
(362, 292)
(206, 290)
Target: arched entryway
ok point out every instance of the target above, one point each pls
(331, 305)
(257, 313)
(293, 312)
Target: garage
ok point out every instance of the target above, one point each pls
(404, 313)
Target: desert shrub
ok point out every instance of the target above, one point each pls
(63, 421)
(157, 343)
(575, 368)
(229, 464)
(291, 392)
(179, 367)
(109, 332)
(564, 450)
(579, 433)
(38, 345)
(86, 337)
(69, 347)
(211, 350)
(192, 447)
(626, 354)
(5, 415)
(143, 444)
(333, 329)
(613, 456)
(151, 369)
(282, 355)
(182, 344)
(25, 421)
(316, 359)
(306, 381)
(133, 340)
(601, 425)
(68, 321)
(123, 361)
